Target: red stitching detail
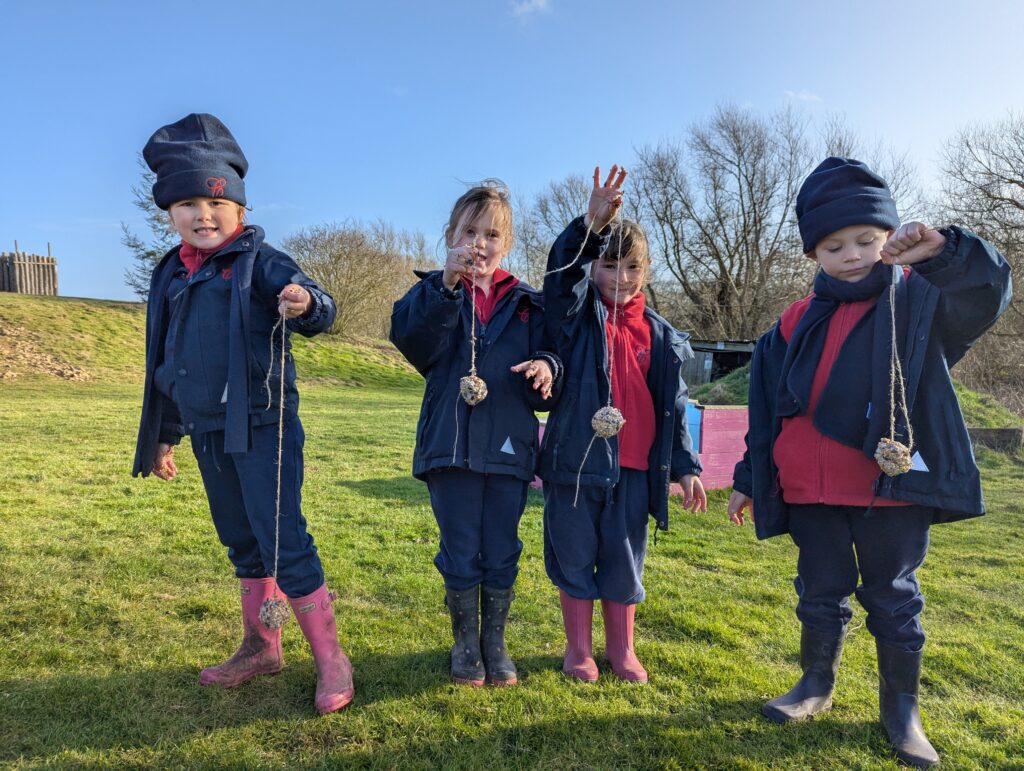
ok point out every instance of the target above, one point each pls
(216, 185)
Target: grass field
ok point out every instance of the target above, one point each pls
(116, 592)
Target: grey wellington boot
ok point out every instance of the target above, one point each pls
(496, 604)
(819, 659)
(467, 663)
(899, 675)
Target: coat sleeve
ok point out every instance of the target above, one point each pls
(273, 271)
(422, 321)
(973, 280)
(685, 461)
(566, 281)
(541, 348)
(760, 414)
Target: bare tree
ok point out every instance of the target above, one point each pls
(718, 210)
(363, 267)
(983, 190)
(539, 222)
(163, 237)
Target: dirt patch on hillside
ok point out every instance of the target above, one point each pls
(22, 353)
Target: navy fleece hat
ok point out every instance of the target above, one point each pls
(197, 156)
(839, 193)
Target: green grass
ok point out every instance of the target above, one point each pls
(116, 592)
(731, 389)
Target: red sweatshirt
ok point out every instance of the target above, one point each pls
(193, 258)
(486, 301)
(629, 342)
(812, 467)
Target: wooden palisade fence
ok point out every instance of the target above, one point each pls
(28, 273)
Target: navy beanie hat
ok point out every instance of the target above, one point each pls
(839, 193)
(196, 156)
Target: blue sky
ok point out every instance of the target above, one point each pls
(386, 109)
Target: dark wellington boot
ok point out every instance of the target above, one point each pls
(467, 663)
(500, 669)
(899, 673)
(812, 694)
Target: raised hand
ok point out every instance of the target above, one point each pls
(461, 262)
(606, 199)
(912, 242)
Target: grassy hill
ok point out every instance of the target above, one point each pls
(78, 339)
(115, 592)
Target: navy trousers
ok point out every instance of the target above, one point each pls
(242, 490)
(478, 516)
(842, 551)
(596, 550)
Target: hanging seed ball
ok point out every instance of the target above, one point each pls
(273, 613)
(607, 422)
(473, 389)
(893, 457)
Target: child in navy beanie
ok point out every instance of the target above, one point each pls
(821, 400)
(213, 371)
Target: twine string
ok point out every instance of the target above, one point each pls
(896, 368)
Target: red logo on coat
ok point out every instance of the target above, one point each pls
(524, 314)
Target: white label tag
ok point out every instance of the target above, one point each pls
(917, 463)
(224, 396)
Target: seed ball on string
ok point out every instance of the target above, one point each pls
(473, 389)
(893, 457)
(607, 422)
(273, 613)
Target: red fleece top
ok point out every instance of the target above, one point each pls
(629, 342)
(193, 258)
(502, 282)
(812, 467)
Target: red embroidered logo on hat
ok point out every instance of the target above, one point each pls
(216, 185)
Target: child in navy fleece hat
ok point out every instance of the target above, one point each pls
(819, 404)
(213, 371)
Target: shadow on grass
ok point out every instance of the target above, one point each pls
(406, 489)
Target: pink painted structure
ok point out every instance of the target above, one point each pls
(718, 432)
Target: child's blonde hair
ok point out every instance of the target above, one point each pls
(627, 239)
(490, 194)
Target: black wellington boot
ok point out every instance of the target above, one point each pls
(500, 669)
(899, 674)
(467, 663)
(812, 694)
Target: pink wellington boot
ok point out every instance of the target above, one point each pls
(260, 651)
(315, 615)
(618, 641)
(578, 617)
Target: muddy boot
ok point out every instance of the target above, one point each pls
(315, 614)
(618, 641)
(499, 667)
(899, 674)
(467, 662)
(578, 618)
(260, 651)
(819, 659)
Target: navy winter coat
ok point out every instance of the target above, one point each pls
(952, 299)
(208, 345)
(430, 325)
(576, 324)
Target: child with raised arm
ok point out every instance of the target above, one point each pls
(213, 371)
(479, 460)
(598, 493)
(824, 392)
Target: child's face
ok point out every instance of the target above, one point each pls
(205, 223)
(631, 274)
(488, 233)
(850, 253)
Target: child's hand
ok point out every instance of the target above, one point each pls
(461, 261)
(293, 301)
(605, 200)
(163, 464)
(694, 497)
(737, 503)
(913, 242)
(540, 371)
